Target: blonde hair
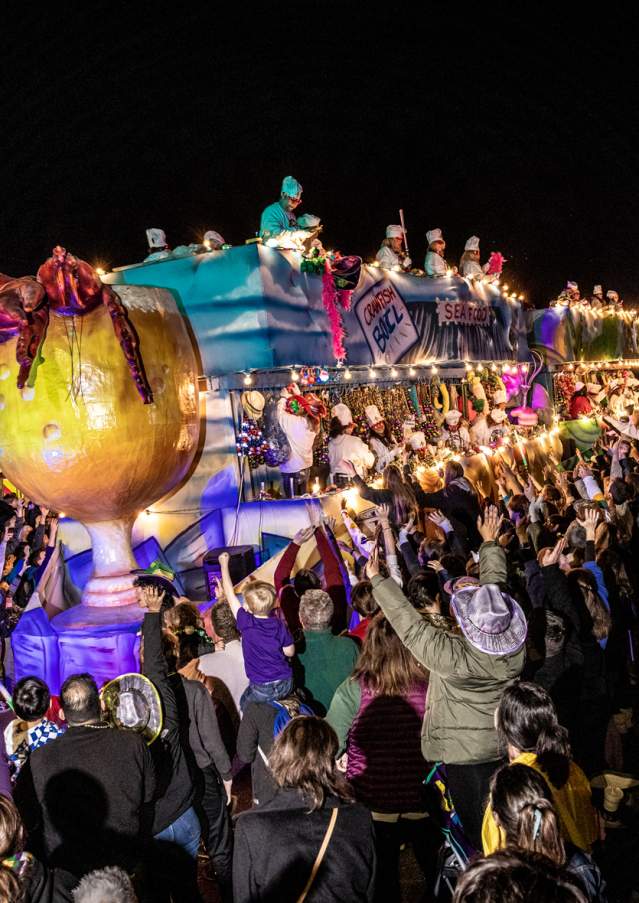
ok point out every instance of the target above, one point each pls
(260, 597)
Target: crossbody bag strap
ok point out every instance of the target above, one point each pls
(320, 856)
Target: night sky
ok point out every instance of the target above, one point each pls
(520, 130)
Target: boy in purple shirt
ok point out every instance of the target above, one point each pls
(266, 641)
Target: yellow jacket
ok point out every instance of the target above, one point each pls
(573, 804)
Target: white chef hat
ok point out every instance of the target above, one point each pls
(452, 416)
(613, 295)
(498, 415)
(308, 221)
(578, 386)
(372, 414)
(472, 244)
(213, 237)
(417, 441)
(291, 187)
(343, 414)
(500, 397)
(434, 235)
(394, 232)
(572, 287)
(597, 290)
(156, 238)
(593, 388)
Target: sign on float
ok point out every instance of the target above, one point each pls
(386, 323)
(463, 313)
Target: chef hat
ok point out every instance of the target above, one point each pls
(394, 232)
(472, 244)
(452, 416)
(343, 414)
(214, 238)
(593, 388)
(372, 414)
(308, 221)
(572, 287)
(578, 386)
(434, 235)
(498, 415)
(417, 441)
(597, 290)
(614, 296)
(156, 238)
(291, 187)
(500, 397)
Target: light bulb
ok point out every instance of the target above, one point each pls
(348, 374)
(412, 371)
(467, 366)
(371, 373)
(294, 375)
(493, 367)
(433, 369)
(248, 379)
(393, 372)
(505, 287)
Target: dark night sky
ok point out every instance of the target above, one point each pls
(520, 130)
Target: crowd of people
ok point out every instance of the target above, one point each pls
(450, 677)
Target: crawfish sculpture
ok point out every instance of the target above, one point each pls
(67, 287)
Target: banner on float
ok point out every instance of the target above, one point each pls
(386, 323)
(463, 313)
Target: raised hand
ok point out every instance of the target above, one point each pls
(383, 514)
(303, 536)
(372, 565)
(152, 598)
(589, 520)
(489, 526)
(553, 556)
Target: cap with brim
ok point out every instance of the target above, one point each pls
(133, 703)
(490, 620)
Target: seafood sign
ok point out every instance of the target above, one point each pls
(463, 313)
(386, 323)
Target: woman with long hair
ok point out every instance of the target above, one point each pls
(523, 809)
(530, 734)
(311, 838)
(377, 714)
(396, 493)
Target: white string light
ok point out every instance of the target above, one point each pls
(248, 379)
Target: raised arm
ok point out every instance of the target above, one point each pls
(287, 561)
(227, 583)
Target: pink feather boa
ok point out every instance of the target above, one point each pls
(331, 298)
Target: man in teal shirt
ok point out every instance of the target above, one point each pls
(279, 218)
(325, 659)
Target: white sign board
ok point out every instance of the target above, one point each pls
(386, 323)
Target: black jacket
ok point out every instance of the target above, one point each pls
(256, 730)
(277, 844)
(174, 785)
(84, 798)
(460, 507)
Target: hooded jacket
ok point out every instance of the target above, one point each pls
(465, 684)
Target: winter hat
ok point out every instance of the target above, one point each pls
(253, 403)
(614, 296)
(213, 238)
(308, 221)
(452, 416)
(417, 441)
(132, 703)
(291, 187)
(500, 397)
(598, 290)
(490, 620)
(373, 415)
(343, 414)
(498, 415)
(434, 235)
(394, 232)
(472, 244)
(156, 238)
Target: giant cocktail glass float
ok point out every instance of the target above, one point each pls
(99, 406)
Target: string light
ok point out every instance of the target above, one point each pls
(434, 369)
(248, 379)
(294, 375)
(371, 373)
(348, 374)
(467, 366)
(411, 371)
(393, 372)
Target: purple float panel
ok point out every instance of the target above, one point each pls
(101, 641)
(35, 649)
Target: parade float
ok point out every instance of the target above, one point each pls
(135, 404)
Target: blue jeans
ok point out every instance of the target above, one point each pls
(184, 832)
(276, 689)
